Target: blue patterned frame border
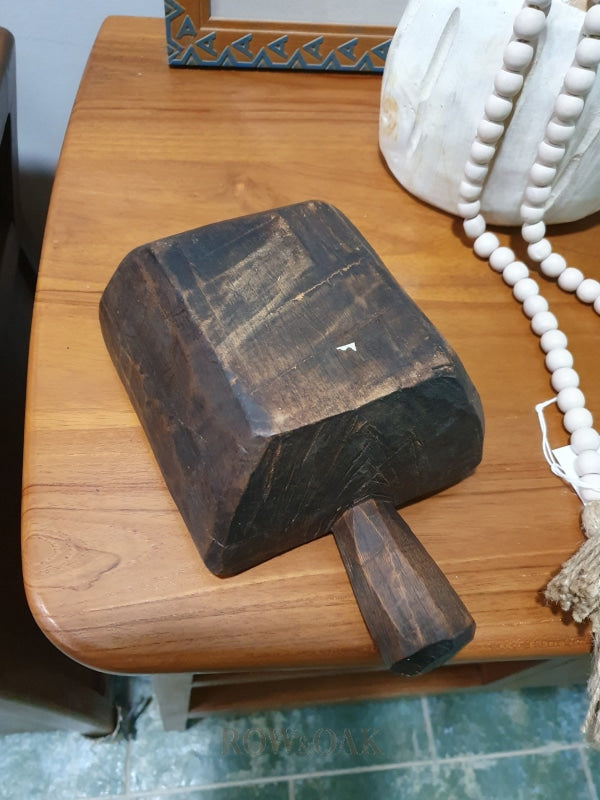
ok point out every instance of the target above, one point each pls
(194, 39)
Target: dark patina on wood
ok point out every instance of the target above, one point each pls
(283, 378)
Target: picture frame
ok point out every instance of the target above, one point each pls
(195, 38)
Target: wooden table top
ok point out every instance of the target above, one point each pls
(112, 575)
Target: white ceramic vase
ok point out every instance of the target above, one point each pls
(438, 75)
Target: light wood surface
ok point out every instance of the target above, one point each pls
(112, 575)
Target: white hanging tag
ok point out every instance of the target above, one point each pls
(561, 460)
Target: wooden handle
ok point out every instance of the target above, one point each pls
(413, 614)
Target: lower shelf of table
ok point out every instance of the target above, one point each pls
(184, 697)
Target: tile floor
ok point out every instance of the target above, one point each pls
(488, 746)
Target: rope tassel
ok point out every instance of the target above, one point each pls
(576, 589)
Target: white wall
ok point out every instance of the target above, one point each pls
(53, 41)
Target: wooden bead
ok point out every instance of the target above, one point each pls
(552, 340)
(485, 244)
(529, 23)
(587, 462)
(553, 265)
(533, 232)
(489, 131)
(542, 174)
(501, 258)
(482, 153)
(543, 321)
(557, 358)
(550, 154)
(497, 108)
(524, 288)
(587, 53)
(514, 272)
(517, 55)
(585, 439)
(570, 397)
(534, 304)
(568, 107)
(558, 132)
(476, 173)
(591, 22)
(588, 290)
(564, 377)
(539, 251)
(591, 490)
(508, 83)
(469, 191)
(531, 214)
(474, 227)
(537, 195)
(468, 210)
(570, 279)
(577, 418)
(579, 80)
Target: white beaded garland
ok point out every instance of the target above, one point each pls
(508, 83)
(543, 321)
(524, 288)
(536, 195)
(570, 279)
(558, 132)
(550, 154)
(476, 173)
(514, 272)
(591, 23)
(570, 397)
(533, 232)
(588, 290)
(585, 439)
(517, 55)
(501, 258)
(559, 357)
(541, 174)
(498, 108)
(553, 265)
(482, 153)
(470, 209)
(489, 131)
(587, 462)
(470, 191)
(538, 251)
(485, 244)
(587, 53)
(579, 80)
(529, 23)
(474, 227)
(590, 488)
(552, 340)
(576, 418)
(531, 214)
(568, 107)
(563, 378)
(534, 304)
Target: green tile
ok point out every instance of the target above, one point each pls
(558, 776)
(285, 742)
(593, 760)
(260, 791)
(61, 766)
(549, 776)
(411, 783)
(491, 722)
